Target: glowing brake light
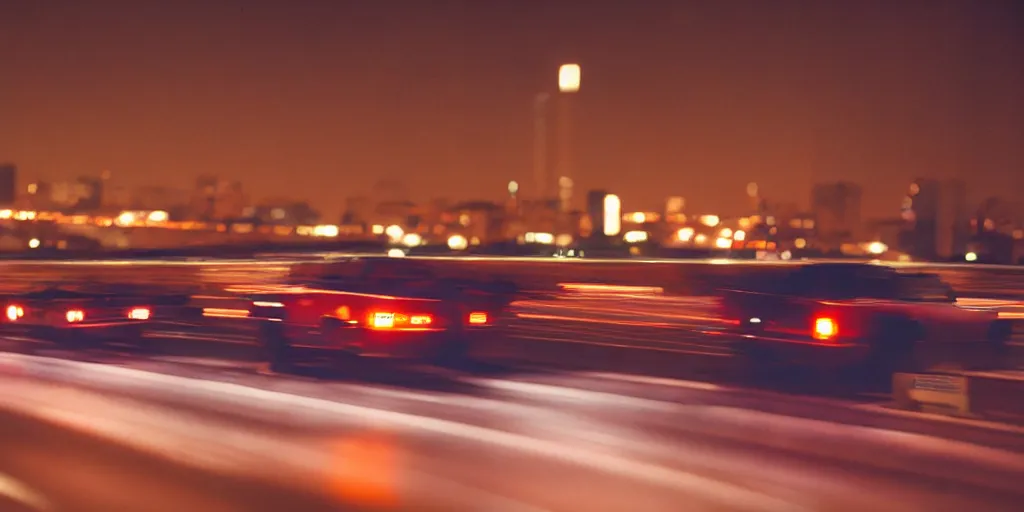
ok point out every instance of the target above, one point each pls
(387, 320)
(478, 318)
(14, 312)
(421, 320)
(74, 315)
(139, 314)
(825, 328)
(383, 320)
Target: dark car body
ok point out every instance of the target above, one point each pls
(847, 315)
(66, 315)
(390, 307)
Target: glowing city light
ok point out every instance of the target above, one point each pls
(612, 215)
(569, 76)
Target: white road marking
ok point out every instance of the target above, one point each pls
(716, 490)
(14, 490)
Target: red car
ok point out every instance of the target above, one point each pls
(79, 318)
(387, 307)
(862, 316)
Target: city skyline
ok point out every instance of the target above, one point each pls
(323, 102)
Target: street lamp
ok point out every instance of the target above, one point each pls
(569, 78)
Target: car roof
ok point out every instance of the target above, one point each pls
(849, 268)
(362, 266)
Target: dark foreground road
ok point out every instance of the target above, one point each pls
(152, 435)
(45, 467)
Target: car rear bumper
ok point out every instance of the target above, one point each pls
(403, 344)
(977, 355)
(42, 330)
(802, 352)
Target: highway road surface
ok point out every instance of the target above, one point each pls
(45, 467)
(111, 432)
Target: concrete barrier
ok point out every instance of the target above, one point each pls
(997, 396)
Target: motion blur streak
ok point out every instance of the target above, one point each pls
(180, 436)
(721, 492)
(13, 489)
(225, 313)
(611, 289)
(474, 443)
(367, 469)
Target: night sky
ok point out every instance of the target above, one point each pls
(321, 99)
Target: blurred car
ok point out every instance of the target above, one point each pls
(862, 316)
(392, 308)
(81, 317)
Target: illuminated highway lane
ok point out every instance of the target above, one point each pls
(437, 442)
(46, 468)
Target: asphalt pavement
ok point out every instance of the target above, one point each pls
(127, 433)
(44, 467)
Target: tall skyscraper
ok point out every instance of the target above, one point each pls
(542, 181)
(565, 165)
(569, 76)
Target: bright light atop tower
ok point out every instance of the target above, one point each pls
(569, 78)
(612, 215)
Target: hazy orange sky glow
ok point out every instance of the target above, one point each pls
(321, 99)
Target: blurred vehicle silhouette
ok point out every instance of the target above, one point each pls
(376, 307)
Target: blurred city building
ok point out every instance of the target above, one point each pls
(283, 212)
(84, 195)
(482, 221)
(169, 199)
(886, 230)
(936, 218)
(837, 211)
(358, 210)
(397, 212)
(8, 184)
(214, 198)
(595, 214)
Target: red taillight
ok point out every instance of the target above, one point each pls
(74, 315)
(389, 320)
(139, 314)
(477, 318)
(421, 320)
(14, 312)
(825, 328)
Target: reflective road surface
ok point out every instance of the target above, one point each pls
(121, 433)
